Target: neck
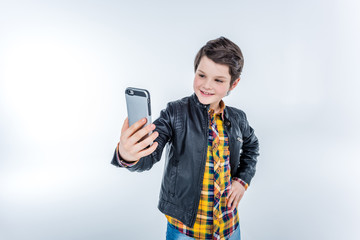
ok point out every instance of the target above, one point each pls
(216, 108)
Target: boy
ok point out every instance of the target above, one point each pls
(211, 150)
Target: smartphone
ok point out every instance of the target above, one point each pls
(138, 105)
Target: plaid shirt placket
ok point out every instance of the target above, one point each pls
(225, 221)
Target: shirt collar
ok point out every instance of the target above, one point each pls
(222, 108)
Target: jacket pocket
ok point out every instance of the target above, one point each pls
(172, 180)
(235, 148)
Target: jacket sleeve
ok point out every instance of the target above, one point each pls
(250, 152)
(165, 130)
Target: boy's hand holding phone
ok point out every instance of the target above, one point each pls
(133, 145)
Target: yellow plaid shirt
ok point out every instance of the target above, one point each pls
(213, 222)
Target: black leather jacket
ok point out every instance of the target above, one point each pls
(183, 127)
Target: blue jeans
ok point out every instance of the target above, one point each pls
(173, 234)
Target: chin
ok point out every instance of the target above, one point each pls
(204, 100)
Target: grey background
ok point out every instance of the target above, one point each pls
(64, 66)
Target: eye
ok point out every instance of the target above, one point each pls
(201, 75)
(219, 81)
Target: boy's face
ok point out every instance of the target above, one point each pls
(212, 82)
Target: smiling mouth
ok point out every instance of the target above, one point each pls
(206, 93)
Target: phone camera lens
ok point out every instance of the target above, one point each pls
(131, 92)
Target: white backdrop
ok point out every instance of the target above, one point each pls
(64, 67)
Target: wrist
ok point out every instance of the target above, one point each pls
(243, 183)
(122, 161)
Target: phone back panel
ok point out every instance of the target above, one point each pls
(138, 105)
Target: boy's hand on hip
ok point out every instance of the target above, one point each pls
(236, 193)
(133, 145)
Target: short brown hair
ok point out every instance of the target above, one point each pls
(223, 51)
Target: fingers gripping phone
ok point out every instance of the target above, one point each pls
(138, 105)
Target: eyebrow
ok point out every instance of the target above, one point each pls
(223, 77)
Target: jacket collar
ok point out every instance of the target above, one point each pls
(226, 113)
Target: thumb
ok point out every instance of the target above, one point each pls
(125, 125)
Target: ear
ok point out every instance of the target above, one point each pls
(235, 83)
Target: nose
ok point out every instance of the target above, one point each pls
(207, 84)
